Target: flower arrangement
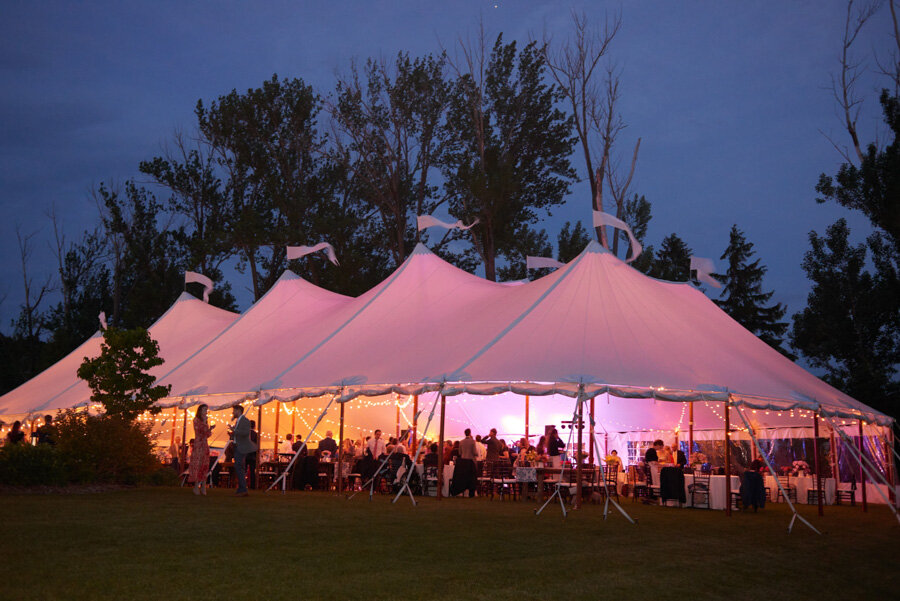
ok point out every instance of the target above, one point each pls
(800, 467)
(531, 456)
(698, 459)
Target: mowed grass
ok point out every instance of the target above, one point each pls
(165, 543)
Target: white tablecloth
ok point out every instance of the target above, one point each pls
(803, 484)
(448, 473)
(717, 498)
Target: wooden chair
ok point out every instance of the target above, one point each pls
(502, 480)
(699, 490)
(610, 475)
(638, 483)
(789, 488)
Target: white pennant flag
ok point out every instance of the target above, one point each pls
(704, 268)
(102, 318)
(296, 252)
(601, 219)
(542, 262)
(191, 277)
(424, 221)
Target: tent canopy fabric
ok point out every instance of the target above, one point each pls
(594, 327)
(185, 326)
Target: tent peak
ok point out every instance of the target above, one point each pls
(596, 248)
(185, 296)
(288, 275)
(421, 249)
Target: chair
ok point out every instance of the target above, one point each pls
(789, 488)
(812, 493)
(638, 482)
(699, 490)
(502, 480)
(846, 494)
(526, 477)
(429, 478)
(610, 475)
(484, 480)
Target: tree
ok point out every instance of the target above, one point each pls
(850, 324)
(391, 128)
(571, 241)
(528, 242)
(742, 296)
(673, 261)
(506, 155)
(118, 376)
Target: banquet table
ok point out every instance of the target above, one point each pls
(803, 484)
(448, 474)
(717, 499)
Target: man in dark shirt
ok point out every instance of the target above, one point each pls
(328, 444)
(493, 445)
(651, 454)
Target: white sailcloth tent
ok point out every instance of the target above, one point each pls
(187, 325)
(595, 328)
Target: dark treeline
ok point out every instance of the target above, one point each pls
(496, 132)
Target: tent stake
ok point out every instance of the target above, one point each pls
(820, 483)
(774, 475)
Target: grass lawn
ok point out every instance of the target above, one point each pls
(165, 543)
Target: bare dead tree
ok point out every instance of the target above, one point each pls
(844, 84)
(592, 93)
(30, 322)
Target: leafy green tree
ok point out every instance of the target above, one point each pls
(118, 376)
(673, 261)
(506, 157)
(528, 242)
(849, 327)
(267, 143)
(391, 125)
(742, 296)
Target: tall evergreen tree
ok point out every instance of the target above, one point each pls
(742, 296)
(571, 241)
(673, 261)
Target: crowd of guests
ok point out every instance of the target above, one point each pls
(42, 434)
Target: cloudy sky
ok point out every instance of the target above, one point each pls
(730, 99)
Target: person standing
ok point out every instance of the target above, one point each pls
(243, 447)
(555, 447)
(200, 454)
(45, 432)
(464, 476)
(15, 435)
(376, 446)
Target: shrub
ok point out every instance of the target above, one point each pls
(101, 448)
(25, 465)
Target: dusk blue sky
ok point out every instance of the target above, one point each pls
(730, 100)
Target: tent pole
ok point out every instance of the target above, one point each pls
(820, 483)
(340, 477)
(294, 419)
(578, 448)
(591, 441)
(690, 430)
(259, 431)
(397, 431)
(174, 423)
(835, 471)
(183, 450)
(889, 443)
(415, 424)
(527, 416)
(277, 420)
(440, 471)
(862, 473)
(727, 461)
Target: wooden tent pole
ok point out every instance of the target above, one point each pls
(862, 472)
(277, 420)
(174, 424)
(340, 477)
(440, 471)
(414, 441)
(820, 484)
(259, 434)
(889, 453)
(293, 419)
(727, 461)
(580, 426)
(690, 431)
(183, 450)
(835, 468)
(591, 441)
(397, 431)
(527, 418)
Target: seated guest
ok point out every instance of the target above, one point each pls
(347, 449)
(613, 460)
(15, 435)
(298, 442)
(541, 448)
(287, 445)
(328, 444)
(431, 457)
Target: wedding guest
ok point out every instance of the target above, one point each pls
(200, 453)
(665, 455)
(481, 454)
(431, 457)
(174, 452)
(45, 432)
(555, 447)
(298, 442)
(15, 435)
(614, 460)
(375, 446)
(652, 454)
(494, 446)
(464, 474)
(287, 445)
(328, 444)
(541, 448)
(243, 446)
